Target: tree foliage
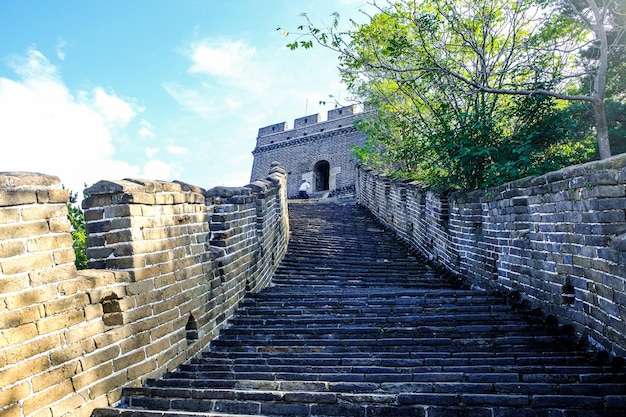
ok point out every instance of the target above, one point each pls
(79, 234)
(470, 93)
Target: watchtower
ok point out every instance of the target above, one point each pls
(315, 150)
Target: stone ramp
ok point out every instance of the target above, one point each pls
(355, 324)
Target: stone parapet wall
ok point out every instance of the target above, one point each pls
(304, 126)
(558, 240)
(170, 263)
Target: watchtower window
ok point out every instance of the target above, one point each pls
(321, 171)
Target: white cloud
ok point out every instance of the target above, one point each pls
(114, 110)
(145, 129)
(177, 150)
(46, 128)
(156, 169)
(224, 59)
(61, 45)
(150, 152)
(34, 67)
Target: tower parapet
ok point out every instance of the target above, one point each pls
(307, 125)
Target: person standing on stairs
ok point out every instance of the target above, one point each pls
(304, 190)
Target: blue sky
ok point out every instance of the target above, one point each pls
(155, 89)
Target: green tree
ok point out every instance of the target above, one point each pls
(470, 93)
(79, 234)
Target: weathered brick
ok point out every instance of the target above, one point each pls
(17, 197)
(144, 368)
(43, 211)
(71, 352)
(99, 356)
(23, 370)
(65, 256)
(26, 263)
(90, 376)
(11, 395)
(9, 215)
(12, 248)
(32, 348)
(61, 305)
(60, 321)
(129, 359)
(69, 404)
(14, 283)
(16, 318)
(108, 385)
(55, 376)
(45, 398)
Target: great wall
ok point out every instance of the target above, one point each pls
(171, 262)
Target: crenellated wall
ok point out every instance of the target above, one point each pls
(169, 263)
(559, 240)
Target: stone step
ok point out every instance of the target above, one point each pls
(328, 403)
(230, 361)
(377, 375)
(125, 412)
(355, 324)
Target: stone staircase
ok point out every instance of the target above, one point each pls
(356, 324)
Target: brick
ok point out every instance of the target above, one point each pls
(99, 356)
(55, 376)
(17, 335)
(31, 348)
(13, 394)
(22, 371)
(139, 341)
(17, 197)
(139, 370)
(45, 398)
(15, 411)
(60, 225)
(54, 196)
(26, 263)
(64, 257)
(60, 321)
(13, 248)
(92, 375)
(112, 336)
(69, 404)
(14, 283)
(16, 318)
(128, 360)
(72, 352)
(157, 347)
(43, 211)
(9, 215)
(107, 385)
(23, 230)
(62, 305)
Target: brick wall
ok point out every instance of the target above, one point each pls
(559, 240)
(169, 263)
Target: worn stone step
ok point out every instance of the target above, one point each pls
(356, 324)
(319, 403)
(126, 412)
(207, 362)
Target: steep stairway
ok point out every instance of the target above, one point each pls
(355, 324)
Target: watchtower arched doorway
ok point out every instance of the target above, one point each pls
(321, 176)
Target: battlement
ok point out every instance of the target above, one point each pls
(170, 262)
(308, 125)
